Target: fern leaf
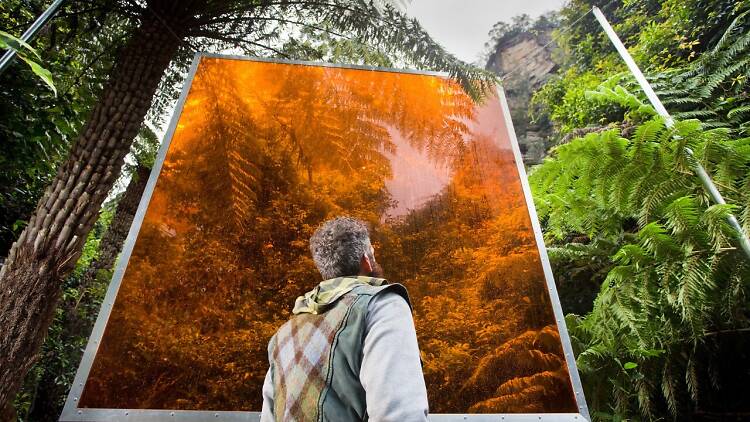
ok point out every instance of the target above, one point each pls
(738, 111)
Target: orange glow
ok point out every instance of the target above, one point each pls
(265, 152)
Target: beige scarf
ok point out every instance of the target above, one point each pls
(319, 299)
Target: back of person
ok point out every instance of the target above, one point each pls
(349, 352)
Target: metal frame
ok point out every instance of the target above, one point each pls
(71, 412)
(562, 328)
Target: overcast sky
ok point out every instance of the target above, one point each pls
(461, 26)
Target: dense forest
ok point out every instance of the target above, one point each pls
(665, 335)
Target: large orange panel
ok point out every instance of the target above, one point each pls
(263, 153)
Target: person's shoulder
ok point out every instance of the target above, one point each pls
(389, 311)
(391, 296)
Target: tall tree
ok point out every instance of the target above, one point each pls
(75, 320)
(43, 393)
(49, 246)
(38, 127)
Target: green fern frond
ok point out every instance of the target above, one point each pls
(669, 389)
(589, 359)
(645, 404)
(739, 111)
(714, 124)
(655, 239)
(715, 219)
(660, 194)
(672, 92)
(631, 255)
(730, 34)
(695, 114)
(691, 378)
(720, 76)
(682, 216)
(682, 100)
(722, 57)
(695, 287)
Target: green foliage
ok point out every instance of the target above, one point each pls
(327, 48)
(678, 278)
(711, 88)
(659, 33)
(38, 126)
(623, 206)
(662, 36)
(143, 151)
(563, 100)
(22, 49)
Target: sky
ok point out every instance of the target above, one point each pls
(461, 26)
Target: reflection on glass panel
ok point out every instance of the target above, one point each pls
(264, 152)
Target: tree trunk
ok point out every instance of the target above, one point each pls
(48, 248)
(113, 239)
(50, 394)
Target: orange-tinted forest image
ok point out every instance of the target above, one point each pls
(262, 154)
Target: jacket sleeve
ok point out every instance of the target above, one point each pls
(266, 414)
(391, 371)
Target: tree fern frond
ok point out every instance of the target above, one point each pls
(691, 378)
(695, 286)
(654, 238)
(734, 294)
(739, 111)
(694, 114)
(411, 41)
(715, 219)
(630, 255)
(669, 389)
(658, 196)
(720, 76)
(729, 34)
(682, 216)
(672, 92)
(682, 101)
(724, 56)
(645, 404)
(716, 125)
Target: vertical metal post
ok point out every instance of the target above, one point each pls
(705, 179)
(31, 32)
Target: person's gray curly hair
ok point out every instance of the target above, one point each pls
(337, 247)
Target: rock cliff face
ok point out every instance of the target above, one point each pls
(526, 66)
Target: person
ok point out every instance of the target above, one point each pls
(349, 352)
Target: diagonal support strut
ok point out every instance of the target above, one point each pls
(705, 179)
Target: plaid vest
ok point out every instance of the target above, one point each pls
(315, 360)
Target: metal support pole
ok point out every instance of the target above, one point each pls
(705, 179)
(30, 33)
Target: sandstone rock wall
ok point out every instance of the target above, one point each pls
(526, 67)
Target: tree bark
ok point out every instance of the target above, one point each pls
(50, 245)
(113, 239)
(49, 394)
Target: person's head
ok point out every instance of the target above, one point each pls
(341, 247)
